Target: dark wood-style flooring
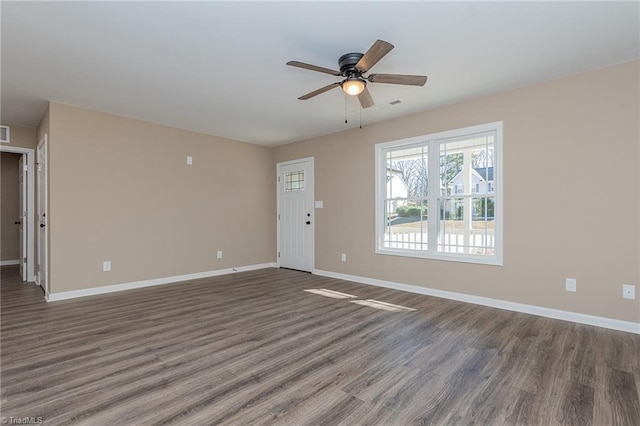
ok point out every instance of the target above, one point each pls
(254, 348)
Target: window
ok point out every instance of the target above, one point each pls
(294, 181)
(445, 202)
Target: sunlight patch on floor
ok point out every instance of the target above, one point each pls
(383, 305)
(330, 293)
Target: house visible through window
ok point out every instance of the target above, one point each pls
(437, 196)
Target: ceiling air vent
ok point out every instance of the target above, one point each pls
(4, 134)
(396, 102)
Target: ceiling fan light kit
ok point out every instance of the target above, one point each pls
(353, 66)
(353, 86)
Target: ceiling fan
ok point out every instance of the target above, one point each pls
(353, 66)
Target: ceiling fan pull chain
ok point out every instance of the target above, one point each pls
(345, 109)
(361, 117)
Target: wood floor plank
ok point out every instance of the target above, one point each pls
(254, 348)
(577, 405)
(520, 412)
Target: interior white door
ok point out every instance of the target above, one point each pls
(22, 220)
(296, 215)
(42, 264)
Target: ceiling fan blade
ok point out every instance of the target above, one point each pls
(313, 68)
(365, 98)
(410, 80)
(319, 91)
(376, 52)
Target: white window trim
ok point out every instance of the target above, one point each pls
(6, 138)
(381, 185)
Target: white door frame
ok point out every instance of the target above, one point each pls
(43, 146)
(312, 207)
(30, 228)
(23, 168)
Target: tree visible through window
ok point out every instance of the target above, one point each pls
(452, 216)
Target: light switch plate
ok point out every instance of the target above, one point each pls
(189, 160)
(106, 266)
(319, 204)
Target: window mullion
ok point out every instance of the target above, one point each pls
(433, 172)
(382, 193)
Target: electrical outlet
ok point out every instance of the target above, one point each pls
(219, 254)
(628, 291)
(571, 284)
(343, 257)
(106, 265)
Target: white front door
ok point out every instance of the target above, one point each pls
(42, 263)
(22, 220)
(295, 214)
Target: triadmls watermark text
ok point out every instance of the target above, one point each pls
(22, 420)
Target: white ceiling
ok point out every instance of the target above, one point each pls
(219, 67)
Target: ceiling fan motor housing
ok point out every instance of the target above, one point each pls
(347, 63)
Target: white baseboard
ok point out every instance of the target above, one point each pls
(628, 326)
(9, 262)
(64, 295)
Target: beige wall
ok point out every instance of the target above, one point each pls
(9, 206)
(120, 190)
(571, 195)
(23, 137)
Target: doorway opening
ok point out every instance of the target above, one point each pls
(25, 217)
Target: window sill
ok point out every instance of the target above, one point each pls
(484, 260)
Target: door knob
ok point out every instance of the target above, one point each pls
(42, 225)
(17, 222)
(308, 222)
